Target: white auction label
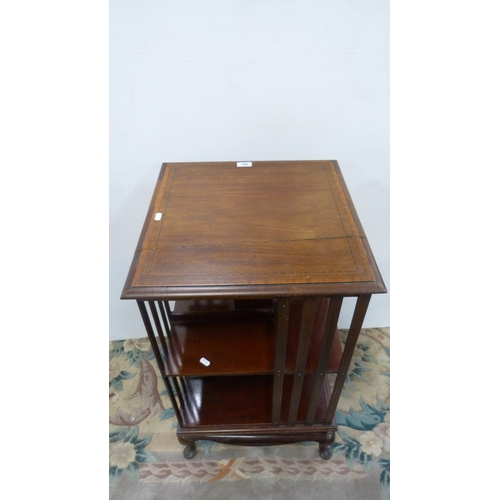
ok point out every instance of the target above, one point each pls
(158, 216)
(244, 164)
(204, 361)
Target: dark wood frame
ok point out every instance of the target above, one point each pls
(289, 331)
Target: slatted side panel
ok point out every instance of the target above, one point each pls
(155, 317)
(306, 326)
(178, 382)
(331, 330)
(295, 401)
(352, 338)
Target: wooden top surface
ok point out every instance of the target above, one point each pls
(275, 228)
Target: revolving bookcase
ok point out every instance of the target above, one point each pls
(257, 258)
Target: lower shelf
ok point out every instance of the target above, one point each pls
(243, 400)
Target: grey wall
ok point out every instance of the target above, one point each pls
(246, 80)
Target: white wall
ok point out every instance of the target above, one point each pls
(246, 80)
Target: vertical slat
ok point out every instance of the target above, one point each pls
(159, 360)
(183, 388)
(162, 332)
(165, 315)
(352, 338)
(151, 336)
(306, 326)
(169, 312)
(326, 349)
(178, 391)
(159, 328)
(282, 313)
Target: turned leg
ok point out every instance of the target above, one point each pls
(324, 447)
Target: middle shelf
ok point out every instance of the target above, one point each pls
(242, 346)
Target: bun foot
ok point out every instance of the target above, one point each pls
(324, 448)
(190, 450)
(325, 451)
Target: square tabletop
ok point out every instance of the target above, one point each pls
(272, 228)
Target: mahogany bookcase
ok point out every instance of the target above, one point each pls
(257, 257)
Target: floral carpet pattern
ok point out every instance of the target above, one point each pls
(143, 426)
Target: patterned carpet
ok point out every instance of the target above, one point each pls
(144, 449)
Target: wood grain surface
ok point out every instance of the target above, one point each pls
(231, 231)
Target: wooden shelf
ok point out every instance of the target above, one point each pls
(238, 343)
(226, 401)
(231, 348)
